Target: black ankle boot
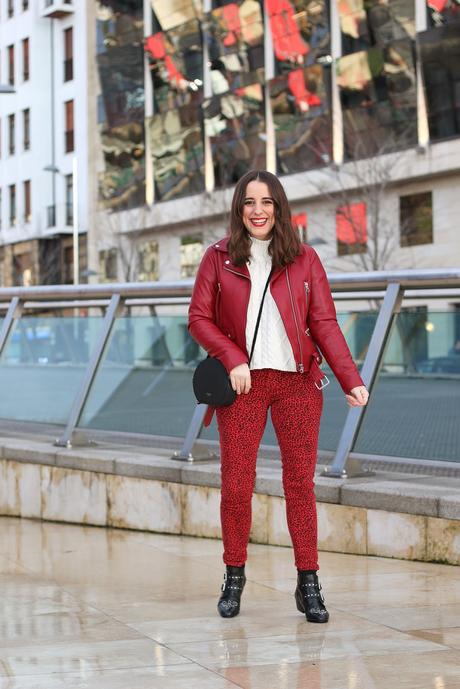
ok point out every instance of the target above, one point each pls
(309, 598)
(232, 588)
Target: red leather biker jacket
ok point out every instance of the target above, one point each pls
(218, 309)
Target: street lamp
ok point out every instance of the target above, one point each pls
(76, 254)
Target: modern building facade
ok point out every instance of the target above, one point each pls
(165, 103)
(355, 104)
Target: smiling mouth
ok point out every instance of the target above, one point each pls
(259, 222)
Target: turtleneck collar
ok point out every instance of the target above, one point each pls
(259, 249)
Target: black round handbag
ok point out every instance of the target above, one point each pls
(211, 384)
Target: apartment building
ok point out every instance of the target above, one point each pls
(43, 150)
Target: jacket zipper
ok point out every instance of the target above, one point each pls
(235, 272)
(219, 297)
(300, 366)
(307, 292)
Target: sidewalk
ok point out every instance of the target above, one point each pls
(97, 608)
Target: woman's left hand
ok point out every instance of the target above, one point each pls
(358, 396)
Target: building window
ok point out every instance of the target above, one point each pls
(442, 12)
(108, 265)
(68, 126)
(11, 134)
(26, 128)
(22, 270)
(27, 201)
(51, 216)
(11, 65)
(25, 59)
(416, 219)
(191, 251)
(10, 8)
(148, 261)
(364, 24)
(68, 199)
(12, 189)
(379, 100)
(68, 54)
(351, 229)
(439, 54)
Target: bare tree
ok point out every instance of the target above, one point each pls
(364, 179)
(120, 230)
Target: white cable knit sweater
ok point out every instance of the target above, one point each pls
(273, 349)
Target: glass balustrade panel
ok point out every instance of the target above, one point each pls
(42, 366)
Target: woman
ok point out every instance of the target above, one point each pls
(298, 316)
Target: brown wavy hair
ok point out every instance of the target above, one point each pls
(285, 242)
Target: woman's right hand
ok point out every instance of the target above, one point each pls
(240, 378)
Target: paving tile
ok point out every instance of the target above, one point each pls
(433, 670)
(164, 677)
(320, 644)
(100, 608)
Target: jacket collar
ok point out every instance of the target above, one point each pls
(222, 246)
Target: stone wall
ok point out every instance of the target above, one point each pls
(161, 495)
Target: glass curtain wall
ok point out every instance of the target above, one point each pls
(175, 55)
(235, 113)
(119, 37)
(210, 81)
(377, 76)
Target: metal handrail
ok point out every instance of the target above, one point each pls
(100, 291)
(339, 282)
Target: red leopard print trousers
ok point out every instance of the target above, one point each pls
(296, 405)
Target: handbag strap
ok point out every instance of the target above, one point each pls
(259, 316)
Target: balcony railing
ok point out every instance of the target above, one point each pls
(57, 9)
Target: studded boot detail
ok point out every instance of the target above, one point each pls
(309, 598)
(232, 588)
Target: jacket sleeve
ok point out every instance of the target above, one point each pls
(322, 321)
(201, 316)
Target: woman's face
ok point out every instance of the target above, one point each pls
(258, 210)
